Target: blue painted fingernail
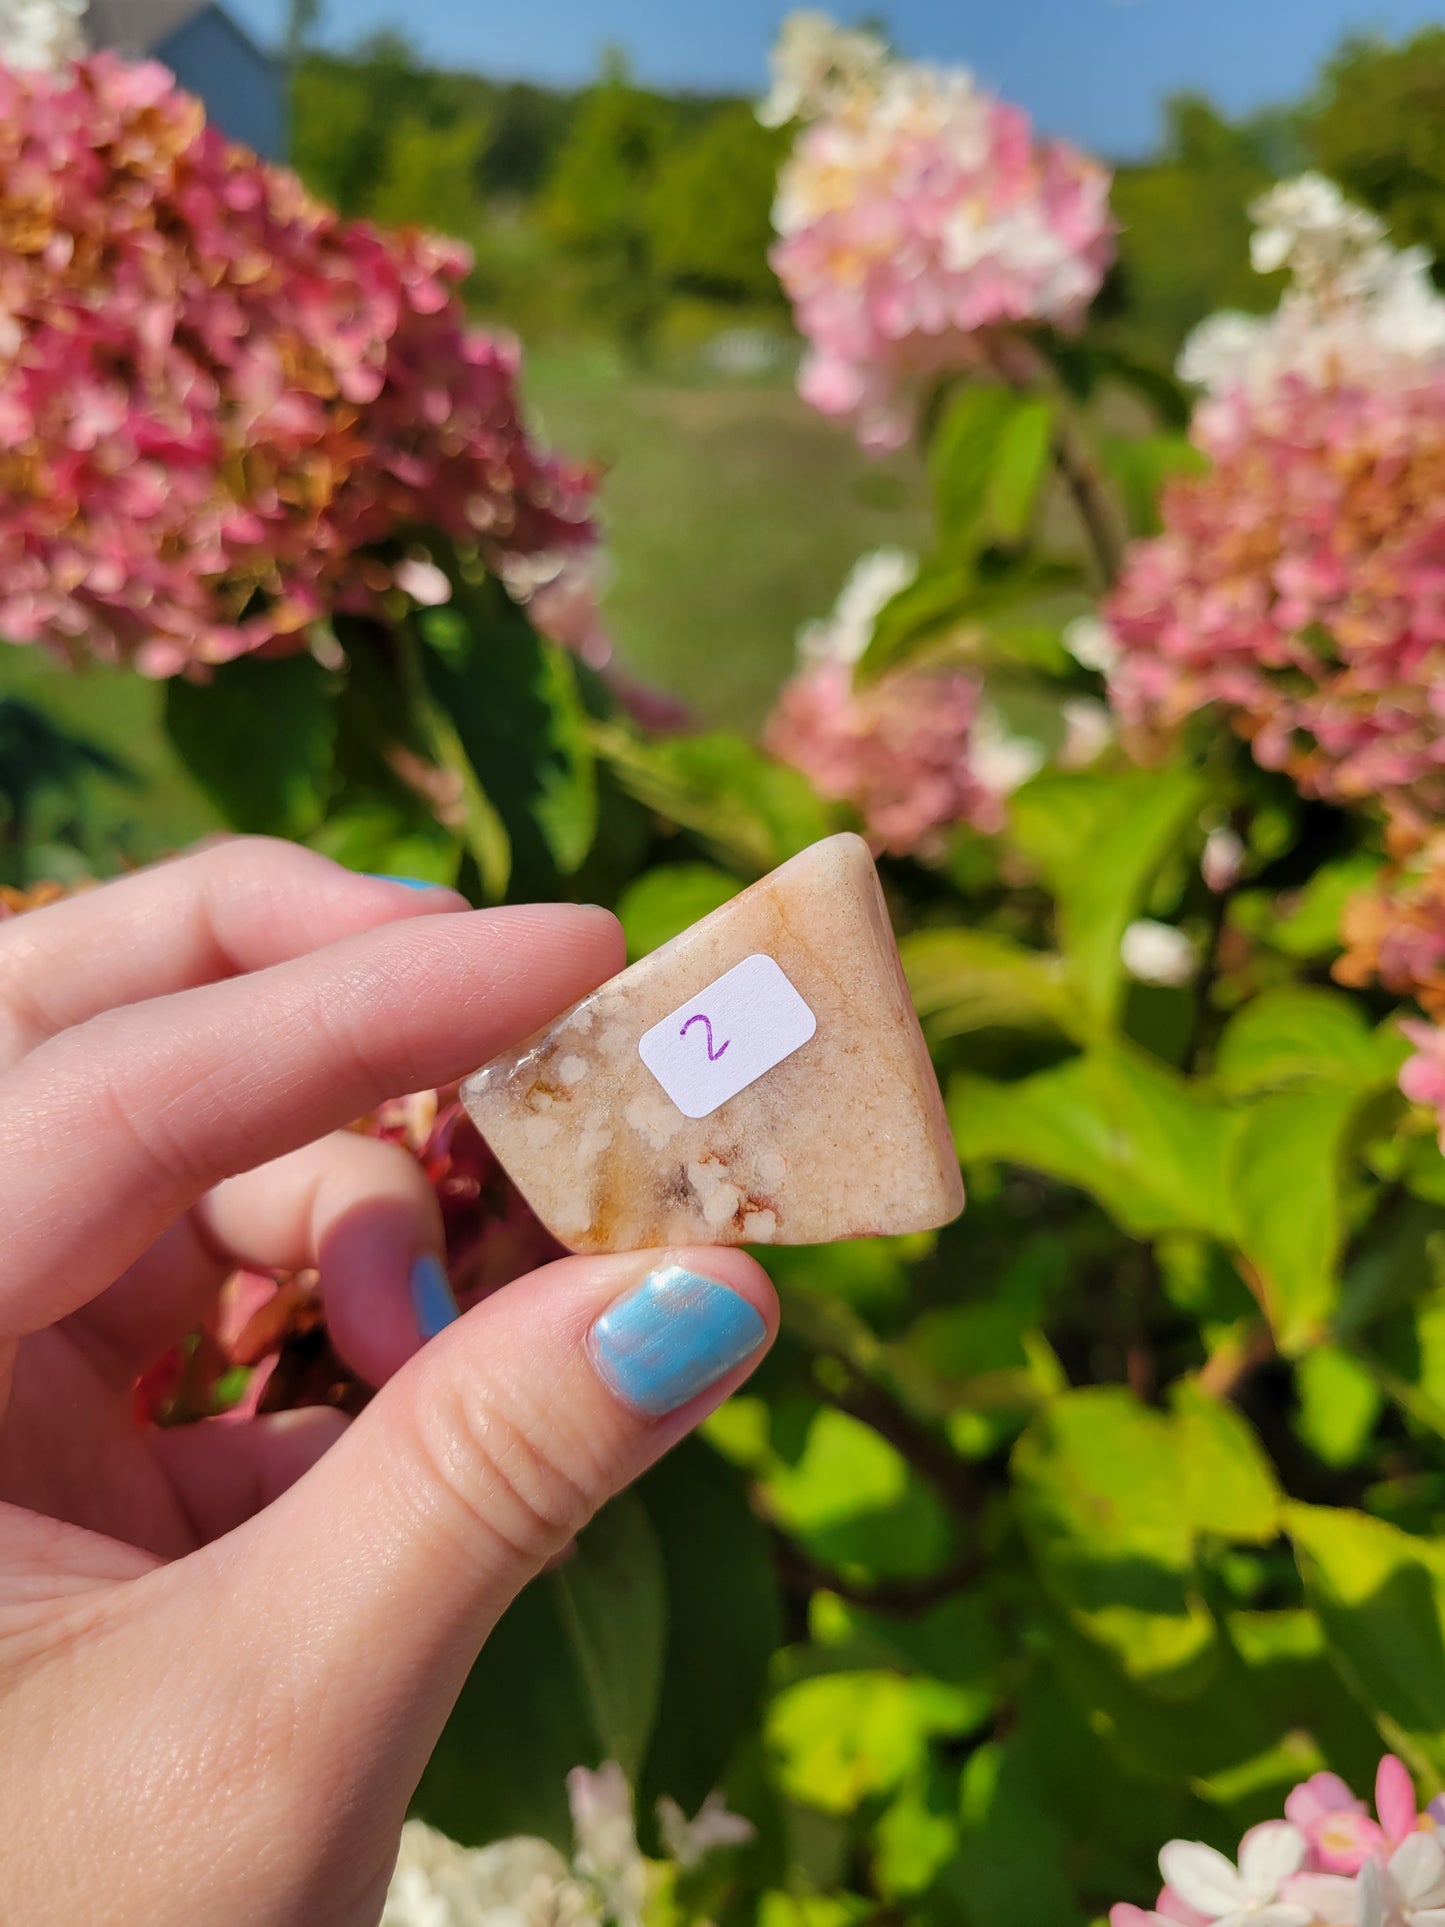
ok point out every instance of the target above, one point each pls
(407, 883)
(431, 1296)
(672, 1337)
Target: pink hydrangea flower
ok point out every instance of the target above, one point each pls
(225, 412)
(1299, 585)
(916, 213)
(897, 750)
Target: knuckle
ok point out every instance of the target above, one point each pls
(526, 1482)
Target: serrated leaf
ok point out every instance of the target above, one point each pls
(1146, 1143)
(1283, 1170)
(1298, 1034)
(966, 980)
(754, 812)
(1100, 841)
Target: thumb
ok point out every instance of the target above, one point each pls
(380, 1573)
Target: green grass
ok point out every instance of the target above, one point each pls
(731, 515)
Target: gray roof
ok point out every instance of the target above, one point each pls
(140, 26)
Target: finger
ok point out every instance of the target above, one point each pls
(383, 1570)
(222, 1474)
(364, 1215)
(237, 906)
(359, 1211)
(112, 1129)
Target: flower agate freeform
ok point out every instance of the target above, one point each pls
(916, 213)
(224, 411)
(761, 1079)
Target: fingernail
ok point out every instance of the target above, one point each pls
(407, 883)
(431, 1296)
(672, 1337)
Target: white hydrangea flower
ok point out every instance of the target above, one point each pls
(817, 67)
(1090, 641)
(513, 1883)
(41, 35)
(1248, 1895)
(1088, 731)
(872, 583)
(1355, 307)
(1157, 953)
(1001, 761)
(607, 1852)
(689, 1842)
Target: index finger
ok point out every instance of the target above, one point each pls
(110, 1130)
(235, 906)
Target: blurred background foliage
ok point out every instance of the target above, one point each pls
(1112, 1510)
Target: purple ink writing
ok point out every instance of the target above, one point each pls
(712, 1055)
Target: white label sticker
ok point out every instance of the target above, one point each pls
(722, 1040)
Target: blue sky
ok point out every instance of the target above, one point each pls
(1095, 70)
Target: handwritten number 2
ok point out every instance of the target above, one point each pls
(712, 1055)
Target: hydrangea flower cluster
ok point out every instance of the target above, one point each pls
(524, 1882)
(224, 412)
(915, 752)
(1328, 1863)
(916, 213)
(1300, 583)
(1395, 935)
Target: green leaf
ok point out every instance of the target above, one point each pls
(513, 702)
(1283, 1169)
(611, 1596)
(1146, 1143)
(924, 609)
(1229, 1485)
(1339, 1403)
(1100, 1484)
(1139, 466)
(1300, 1035)
(1099, 842)
(1011, 1869)
(519, 1727)
(967, 980)
(664, 902)
(988, 461)
(854, 1502)
(258, 738)
(1380, 1595)
(753, 812)
(724, 1621)
(842, 1737)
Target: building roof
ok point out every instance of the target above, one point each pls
(141, 26)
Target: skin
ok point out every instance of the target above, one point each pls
(227, 1651)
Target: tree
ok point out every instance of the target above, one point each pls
(598, 198)
(1377, 126)
(711, 211)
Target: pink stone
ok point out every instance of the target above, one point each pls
(804, 1108)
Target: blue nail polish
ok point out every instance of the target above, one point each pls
(672, 1337)
(407, 883)
(431, 1296)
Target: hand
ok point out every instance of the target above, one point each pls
(226, 1651)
